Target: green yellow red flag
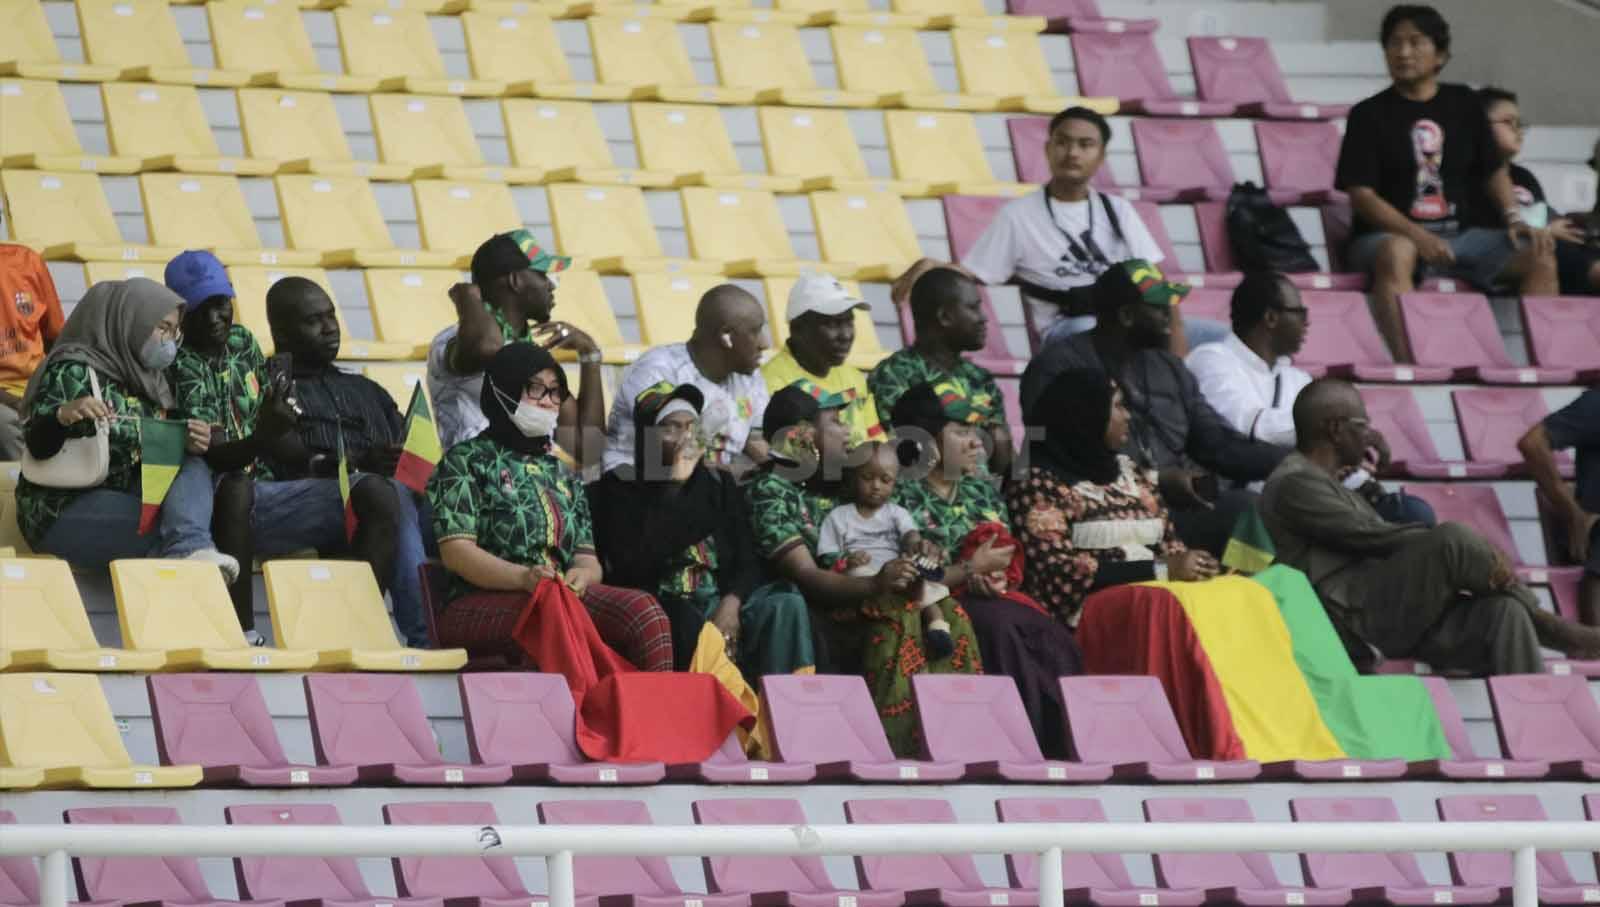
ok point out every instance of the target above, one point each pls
(160, 457)
(422, 450)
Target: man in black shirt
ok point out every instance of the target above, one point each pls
(1415, 158)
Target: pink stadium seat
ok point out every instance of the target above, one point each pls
(1458, 331)
(376, 721)
(1336, 228)
(776, 881)
(1243, 71)
(966, 217)
(1208, 302)
(1077, 15)
(730, 765)
(1556, 885)
(1492, 420)
(1028, 137)
(1299, 157)
(1212, 220)
(1391, 878)
(1564, 332)
(1128, 722)
(168, 881)
(461, 881)
(1465, 764)
(1553, 718)
(1127, 67)
(306, 881)
(1478, 507)
(948, 880)
(1238, 878)
(996, 354)
(1186, 157)
(19, 879)
(1395, 413)
(1150, 213)
(219, 721)
(625, 881)
(980, 721)
(1344, 340)
(527, 721)
(1564, 590)
(1098, 879)
(829, 720)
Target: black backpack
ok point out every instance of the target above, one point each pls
(1263, 236)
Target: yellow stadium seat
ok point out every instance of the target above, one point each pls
(666, 304)
(644, 53)
(165, 126)
(66, 216)
(301, 131)
(965, 14)
(691, 142)
(610, 226)
(36, 132)
(420, 6)
(28, 48)
(399, 379)
(768, 58)
(269, 41)
(141, 37)
(182, 608)
(250, 285)
(10, 532)
(550, 9)
(454, 216)
(396, 46)
(850, 12)
(431, 134)
(1011, 67)
(563, 138)
(744, 228)
(97, 271)
(818, 146)
(868, 227)
(336, 218)
(43, 626)
(410, 306)
(208, 211)
(7, 551)
(943, 150)
(868, 350)
(890, 61)
(335, 608)
(520, 49)
(61, 724)
(581, 301)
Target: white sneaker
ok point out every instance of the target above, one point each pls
(254, 639)
(224, 562)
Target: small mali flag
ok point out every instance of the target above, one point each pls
(1250, 548)
(344, 494)
(422, 450)
(160, 456)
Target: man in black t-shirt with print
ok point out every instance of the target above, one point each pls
(1415, 158)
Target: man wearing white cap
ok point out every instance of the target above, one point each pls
(822, 329)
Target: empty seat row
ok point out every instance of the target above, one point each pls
(1182, 879)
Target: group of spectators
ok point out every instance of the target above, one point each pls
(819, 518)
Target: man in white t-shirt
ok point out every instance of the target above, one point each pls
(723, 359)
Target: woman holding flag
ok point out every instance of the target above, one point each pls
(103, 389)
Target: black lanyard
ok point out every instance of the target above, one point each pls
(1088, 253)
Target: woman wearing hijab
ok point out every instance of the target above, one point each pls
(509, 514)
(963, 513)
(121, 336)
(678, 529)
(1086, 517)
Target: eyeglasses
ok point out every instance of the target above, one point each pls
(539, 392)
(170, 332)
(1512, 122)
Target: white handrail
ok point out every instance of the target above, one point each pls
(559, 843)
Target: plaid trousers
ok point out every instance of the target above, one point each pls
(630, 621)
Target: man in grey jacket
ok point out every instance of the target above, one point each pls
(1442, 595)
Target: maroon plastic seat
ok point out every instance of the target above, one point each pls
(1187, 157)
(376, 722)
(625, 881)
(1458, 331)
(1563, 332)
(19, 878)
(220, 722)
(1077, 15)
(1099, 879)
(527, 721)
(1556, 884)
(1392, 878)
(305, 881)
(1228, 878)
(1492, 420)
(777, 881)
(1478, 507)
(1344, 340)
(949, 880)
(730, 765)
(1465, 764)
(148, 881)
(830, 721)
(1552, 718)
(1299, 157)
(1211, 218)
(980, 721)
(1128, 722)
(1028, 138)
(1395, 413)
(1334, 769)
(1127, 66)
(1243, 71)
(461, 881)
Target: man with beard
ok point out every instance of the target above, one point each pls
(822, 329)
(948, 314)
(1173, 427)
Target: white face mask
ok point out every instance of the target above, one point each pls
(533, 420)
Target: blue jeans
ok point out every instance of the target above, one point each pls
(1481, 254)
(102, 525)
(1399, 507)
(307, 513)
(1197, 330)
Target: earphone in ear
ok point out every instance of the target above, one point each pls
(727, 340)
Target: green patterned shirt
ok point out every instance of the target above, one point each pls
(784, 514)
(225, 389)
(63, 382)
(947, 521)
(693, 574)
(907, 368)
(528, 510)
